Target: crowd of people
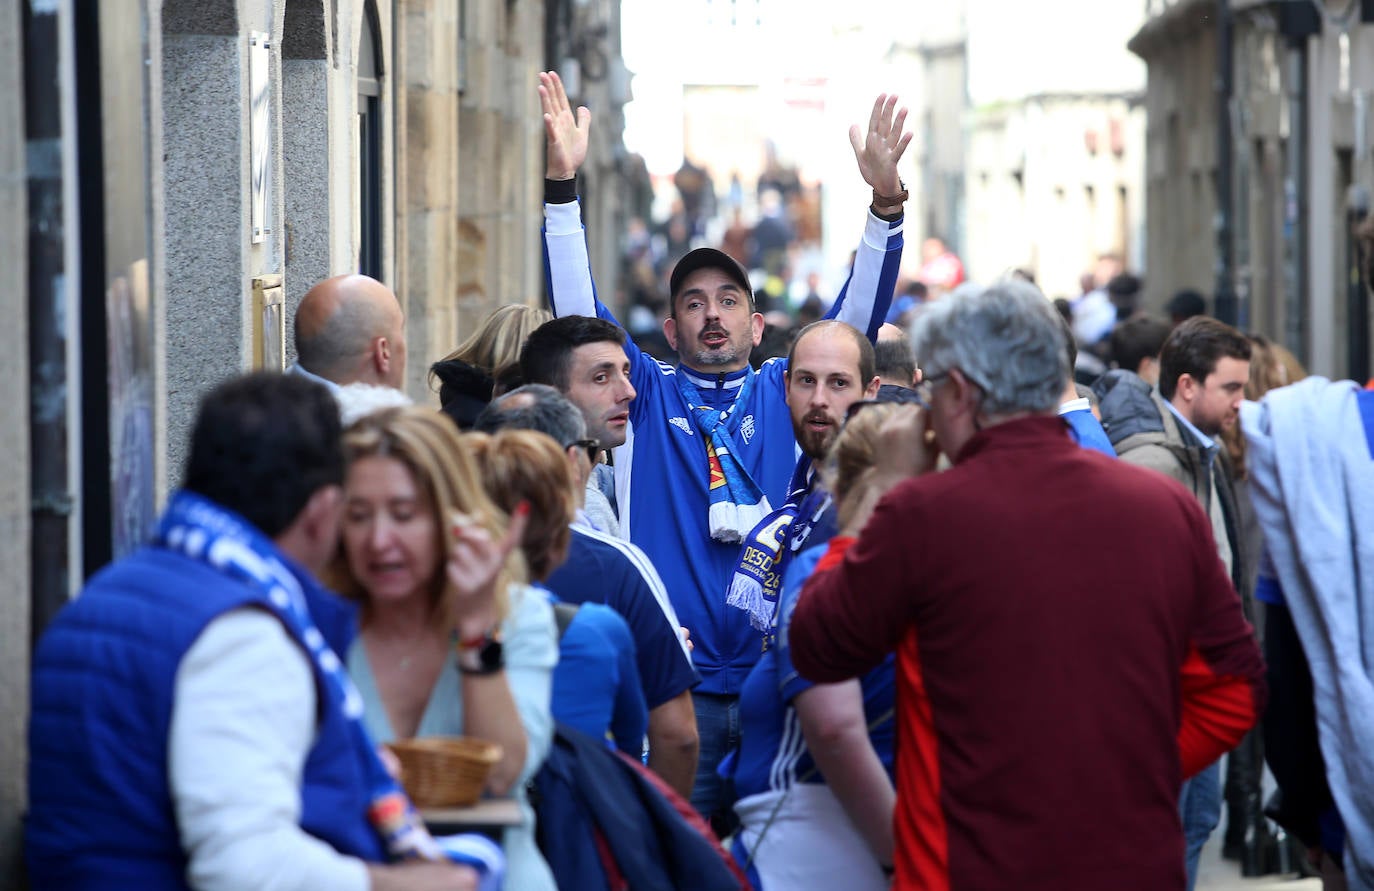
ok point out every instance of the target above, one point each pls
(906, 606)
(773, 230)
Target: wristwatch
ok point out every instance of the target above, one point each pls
(891, 200)
(481, 656)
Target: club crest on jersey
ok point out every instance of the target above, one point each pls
(681, 424)
(746, 428)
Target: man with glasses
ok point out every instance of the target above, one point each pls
(925, 390)
(604, 569)
(1045, 721)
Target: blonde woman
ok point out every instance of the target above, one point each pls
(436, 655)
(468, 377)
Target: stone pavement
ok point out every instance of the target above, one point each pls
(1216, 874)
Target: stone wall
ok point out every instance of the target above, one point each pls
(14, 445)
(426, 174)
(1053, 182)
(1306, 312)
(306, 136)
(204, 82)
(1180, 160)
(460, 185)
(469, 156)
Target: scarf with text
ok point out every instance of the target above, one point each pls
(757, 579)
(201, 530)
(737, 504)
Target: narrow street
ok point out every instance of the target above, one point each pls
(1216, 874)
(917, 434)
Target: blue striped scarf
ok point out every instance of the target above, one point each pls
(201, 530)
(737, 503)
(757, 579)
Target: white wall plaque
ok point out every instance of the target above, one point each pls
(259, 131)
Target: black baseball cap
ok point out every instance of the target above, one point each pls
(709, 258)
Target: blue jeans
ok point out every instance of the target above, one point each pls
(718, 729)
(1199, 806)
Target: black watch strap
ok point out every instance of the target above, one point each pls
(560, 191)
(489, 658)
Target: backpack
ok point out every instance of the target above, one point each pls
(606, 823)
(563, 615)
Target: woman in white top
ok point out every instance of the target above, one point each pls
(437, 653)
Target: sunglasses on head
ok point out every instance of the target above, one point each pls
(591, 446)
(893, 397)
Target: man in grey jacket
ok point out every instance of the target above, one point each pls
(1203, 368)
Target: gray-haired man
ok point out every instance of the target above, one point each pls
(1040, 712)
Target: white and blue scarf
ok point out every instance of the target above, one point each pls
(201, 530)
(757, 579)
(737, 504)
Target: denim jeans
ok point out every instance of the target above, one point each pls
(718, 729)
(1199, 806)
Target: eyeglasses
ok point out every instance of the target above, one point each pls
(895, 396)
(907, 396)
(856, 407)
(925, 390)
(591, 446)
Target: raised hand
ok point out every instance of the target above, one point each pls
(881, 147)
(566, 133)
(475, 561)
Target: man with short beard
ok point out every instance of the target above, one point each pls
(830, 368)
(710, 447)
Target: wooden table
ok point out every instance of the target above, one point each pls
(489, 816)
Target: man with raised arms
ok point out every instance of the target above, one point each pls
(709, 448)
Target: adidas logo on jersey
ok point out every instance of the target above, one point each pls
(681, 424)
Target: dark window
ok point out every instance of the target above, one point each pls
(370, 147)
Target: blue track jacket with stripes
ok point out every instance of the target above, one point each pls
(661, 473)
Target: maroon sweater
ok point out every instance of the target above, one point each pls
(1069, 648)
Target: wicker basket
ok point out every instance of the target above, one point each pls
(445, 771)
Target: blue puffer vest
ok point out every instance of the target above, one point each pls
(101, 814)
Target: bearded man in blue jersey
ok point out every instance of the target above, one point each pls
(710, 448)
